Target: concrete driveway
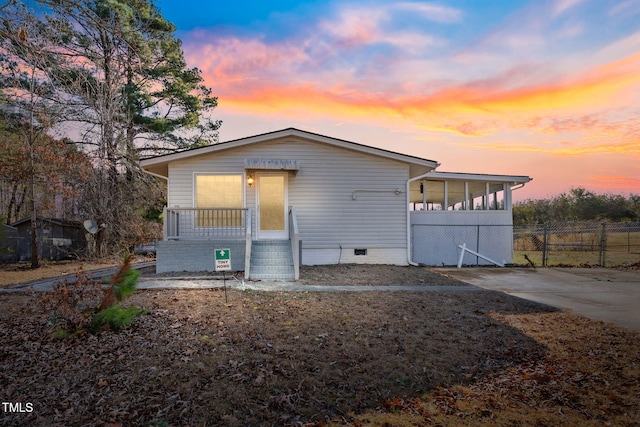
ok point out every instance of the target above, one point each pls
(598, 293)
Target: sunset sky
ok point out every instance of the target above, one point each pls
(548, 89)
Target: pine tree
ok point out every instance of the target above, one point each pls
(127, 87)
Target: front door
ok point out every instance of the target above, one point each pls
(272, 205)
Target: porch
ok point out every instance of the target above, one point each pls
(191, 236)
(451, 209)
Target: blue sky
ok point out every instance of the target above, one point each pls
(545, 88)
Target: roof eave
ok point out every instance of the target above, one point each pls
(158, 164)
(514, 179)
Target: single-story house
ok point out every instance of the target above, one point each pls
(289, 198)
(58, 239)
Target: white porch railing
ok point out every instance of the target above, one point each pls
(205, 223)
(294, 237)
(248, 241)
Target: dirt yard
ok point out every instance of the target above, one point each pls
(304, 358)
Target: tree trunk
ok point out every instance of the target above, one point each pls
(32, 171)
(34, 218)
(34, 241)
(12, 205)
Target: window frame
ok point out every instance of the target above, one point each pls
(211, 222)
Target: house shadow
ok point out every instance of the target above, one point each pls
(307, 357)
(278, 358)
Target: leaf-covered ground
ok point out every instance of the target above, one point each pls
(359, 358)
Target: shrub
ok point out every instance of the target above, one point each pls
(128, 285)
(115, 317)
(69, 306)
(85, 304)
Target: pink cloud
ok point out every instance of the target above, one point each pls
(251, 74)
(431, 11)
(562, 6)
(619, 183)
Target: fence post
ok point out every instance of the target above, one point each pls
(544, 244)
(603, 241)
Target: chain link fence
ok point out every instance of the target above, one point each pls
(14, 249)
(577, 244)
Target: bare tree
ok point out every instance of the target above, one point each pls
(129, 92)
(26, 57)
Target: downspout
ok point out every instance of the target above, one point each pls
(409, 181)
(510, 195)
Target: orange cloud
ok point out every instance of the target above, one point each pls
(466, 110)
(606, 84)
(307, 99)
(561, 149)
(597, 109)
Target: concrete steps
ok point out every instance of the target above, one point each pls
(271, 260)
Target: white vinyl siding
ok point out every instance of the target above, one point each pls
(322, 191)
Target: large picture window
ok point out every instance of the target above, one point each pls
(219, 197)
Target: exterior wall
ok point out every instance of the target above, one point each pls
(435, 236)
(56, 241)
(322, 191)
(397, 256)
(8, 244)
(196, 255)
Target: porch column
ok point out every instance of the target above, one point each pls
(507, 196)
(165, 218)
(466, 196)
(486, 196)
(446, 196)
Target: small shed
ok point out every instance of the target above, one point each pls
(58, 239)
(8, 244)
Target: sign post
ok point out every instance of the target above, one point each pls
(223, 263)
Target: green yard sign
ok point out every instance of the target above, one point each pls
(223, 260)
